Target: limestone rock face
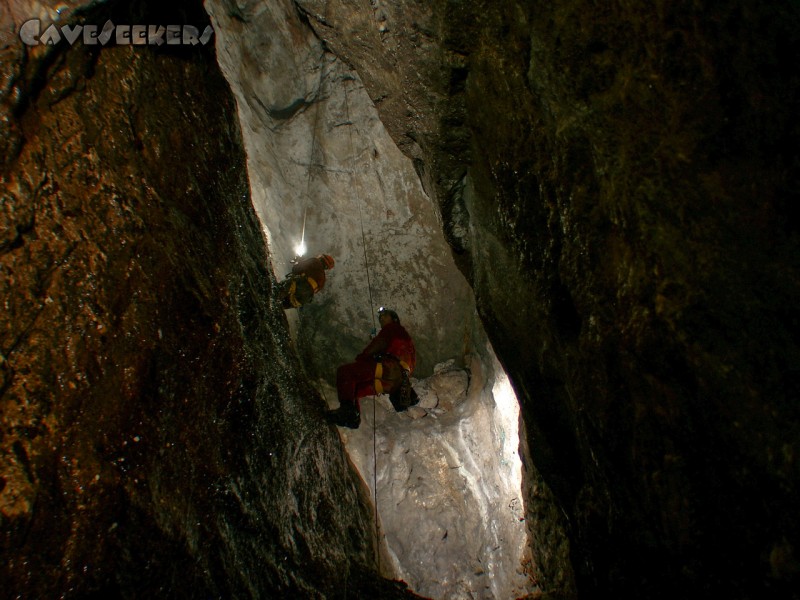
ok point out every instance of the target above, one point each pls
(321, 161)
(157, 440)
(324, 169)
(615, 183)
(448, 480)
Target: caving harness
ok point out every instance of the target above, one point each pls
(379, 371)
(305, 297)
(401, 394)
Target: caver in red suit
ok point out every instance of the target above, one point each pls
(306, 279)
(383, 367)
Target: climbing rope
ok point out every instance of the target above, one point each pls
(301, 331)
(358, 200)
(372, 312)
(300, 250)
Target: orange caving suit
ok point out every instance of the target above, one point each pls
(379, 367)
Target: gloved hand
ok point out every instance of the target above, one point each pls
(373, 332)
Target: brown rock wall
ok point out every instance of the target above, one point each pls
(615, 183)
(155, 438)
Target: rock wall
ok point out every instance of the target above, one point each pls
(157, 440)
(323, 168)
(319, 158)
(448, 478)
(615, 182)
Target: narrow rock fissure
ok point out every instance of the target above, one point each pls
(456, 528)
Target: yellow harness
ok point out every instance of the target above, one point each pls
(379, 374)
(293, 289)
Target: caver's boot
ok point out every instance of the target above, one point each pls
(346, 415)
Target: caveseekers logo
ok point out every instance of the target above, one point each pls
(31, 34)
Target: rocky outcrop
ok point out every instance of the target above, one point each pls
(614, 182)
(447, 475)
(157, 440)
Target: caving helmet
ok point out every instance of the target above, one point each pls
(387, 311)
(327, 260)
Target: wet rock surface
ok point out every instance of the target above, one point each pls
(157, 440)
(615, 184)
